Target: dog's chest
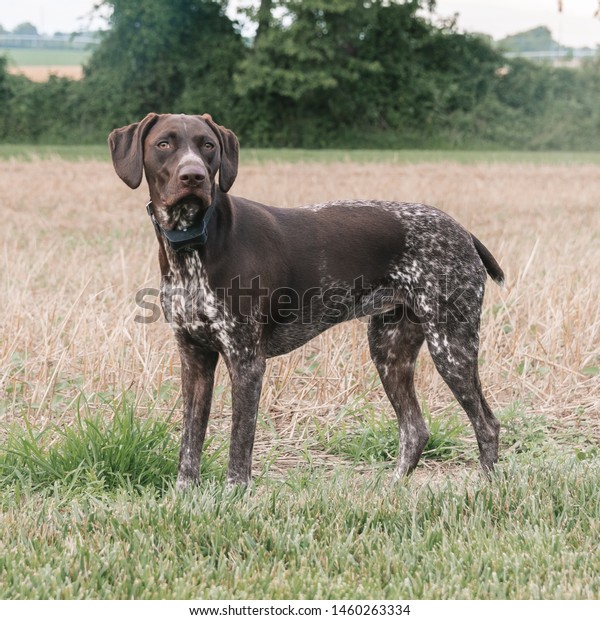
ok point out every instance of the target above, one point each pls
(192, 306)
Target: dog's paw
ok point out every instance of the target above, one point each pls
(234, 483)
(185, 484)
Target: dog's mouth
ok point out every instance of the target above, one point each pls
(185, 211)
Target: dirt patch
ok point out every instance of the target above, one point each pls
(41, 73)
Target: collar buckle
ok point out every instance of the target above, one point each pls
(149, 209)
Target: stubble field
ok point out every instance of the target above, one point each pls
(81, 375)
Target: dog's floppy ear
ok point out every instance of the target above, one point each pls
(127, 149)
(230, 153)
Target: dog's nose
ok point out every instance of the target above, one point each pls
(192, 175)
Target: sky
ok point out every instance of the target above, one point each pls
(574, 27)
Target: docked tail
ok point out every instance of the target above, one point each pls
(489, 262)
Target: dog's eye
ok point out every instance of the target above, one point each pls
(209, 146)
(163, 145)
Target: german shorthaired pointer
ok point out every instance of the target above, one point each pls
(248, 281)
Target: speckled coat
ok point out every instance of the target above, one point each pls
(269, 279)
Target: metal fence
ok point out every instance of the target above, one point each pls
(558, 53)
(58, 41)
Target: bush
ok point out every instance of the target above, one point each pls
(323, 74)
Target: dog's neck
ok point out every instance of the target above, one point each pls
(188, 239)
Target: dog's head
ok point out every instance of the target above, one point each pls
(181, 156)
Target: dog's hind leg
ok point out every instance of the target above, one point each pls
(198, 371)
(453, 340)
(394, 343)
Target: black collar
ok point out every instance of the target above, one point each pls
(188, 239)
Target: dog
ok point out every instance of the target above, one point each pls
(247, 281)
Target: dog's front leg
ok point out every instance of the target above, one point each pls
(197, 378)
(246, 384)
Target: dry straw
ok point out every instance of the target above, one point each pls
(77, 245)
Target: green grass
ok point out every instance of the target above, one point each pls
(414, 156)
(32, 152)
(90, 512)
(99, 152)
(22, 57)
(530, 533)
(363, 433)
(99, 452)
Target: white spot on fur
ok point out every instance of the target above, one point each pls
(196, 308)
(191, 158)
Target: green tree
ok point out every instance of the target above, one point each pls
(303, 74)
(25, 28)
(535, 40)
(263, 18)
(163, 56)
(325, 70)
(5, 96)
(347, 73)
(42, 111)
